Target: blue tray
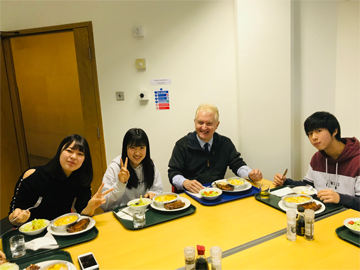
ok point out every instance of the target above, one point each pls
(225, 196)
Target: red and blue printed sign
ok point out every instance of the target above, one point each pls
(162, 101)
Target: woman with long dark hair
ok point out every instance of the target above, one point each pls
(133, 173)
(66, 177)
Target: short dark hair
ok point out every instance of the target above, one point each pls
(323, 120)
(137, 137)
(83, 175)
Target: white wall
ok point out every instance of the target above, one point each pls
(265, 84)
(267, 65)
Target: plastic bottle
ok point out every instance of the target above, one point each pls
(291, 224)
(201, 262)
(309, 224)
(216, 255)
(189, 253)
(300, 222)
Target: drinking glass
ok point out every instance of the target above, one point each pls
(265, 192)
(139, 219)
(17, 246)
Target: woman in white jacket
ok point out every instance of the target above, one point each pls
(136, 176)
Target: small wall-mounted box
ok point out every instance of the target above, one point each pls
(143, 95)
(140, 63)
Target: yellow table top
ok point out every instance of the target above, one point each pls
(227, 225)
(161, 246)
(327, 251)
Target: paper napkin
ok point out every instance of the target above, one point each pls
(46, 242)
(282, 192)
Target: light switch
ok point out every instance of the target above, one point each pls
(140, 63)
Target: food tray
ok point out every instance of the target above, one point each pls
(49, 256)
(346, 235)
(154, 217)
(63, 242)
(225, 196)
(273, 201)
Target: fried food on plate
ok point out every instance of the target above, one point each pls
(79, 226)
(174, 205)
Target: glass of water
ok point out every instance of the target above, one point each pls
(17, 246)
(139, 219)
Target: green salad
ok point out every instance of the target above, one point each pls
(140, 202)
(354, 225)
(36, 224)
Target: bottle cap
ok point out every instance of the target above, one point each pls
(309, 213)
(200, 250)
(189, 252)
(291, 213)
(300, 208)
(216, 251)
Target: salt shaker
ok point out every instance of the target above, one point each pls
(189, 253)
(291, 224)
(309, 224)
(216, 255)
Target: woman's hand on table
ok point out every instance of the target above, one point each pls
(328, 196)
(279, 179)
(2, 257)
(97, 200)
(150, 195)
(124, 174)
(21, 216)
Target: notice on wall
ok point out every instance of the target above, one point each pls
(161, 81)
(162, 100)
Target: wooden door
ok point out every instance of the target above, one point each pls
(89, 95)
(10, 165)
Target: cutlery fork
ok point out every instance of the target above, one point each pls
(34, 206)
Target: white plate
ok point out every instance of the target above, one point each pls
(303, 190)
(244, 187)
(46, 263)
(91, 224)
(346, 221)
(186, 201)
(285, 208)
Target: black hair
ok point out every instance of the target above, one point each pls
(84, 174)
(323, 120)
(137, 137)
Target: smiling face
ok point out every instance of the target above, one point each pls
(321, 138)
(206, 124)
(71, 159)
(136, 154)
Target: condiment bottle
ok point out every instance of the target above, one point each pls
(216, 255)
(189, 253)
(300, 222)
(309, 224)
(201, 262)
(291, 224)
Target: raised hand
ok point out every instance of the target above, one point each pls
(97, 200)
(124, 174)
